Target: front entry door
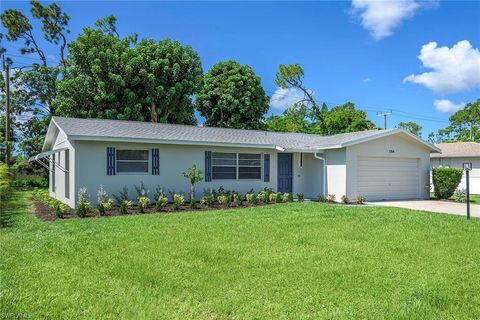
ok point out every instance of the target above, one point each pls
(285, 172)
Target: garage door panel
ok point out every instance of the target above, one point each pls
(387, 178)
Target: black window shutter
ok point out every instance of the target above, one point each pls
(110, 161)
(155, 161)
(266, 168)
(208, 166)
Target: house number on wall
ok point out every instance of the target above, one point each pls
(391, 151)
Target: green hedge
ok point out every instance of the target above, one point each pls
(30, 183)
(5, 191)
(446, 181)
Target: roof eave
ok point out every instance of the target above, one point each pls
(432, 148)
(176, 142)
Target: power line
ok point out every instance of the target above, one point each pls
(384, 115)
(370, 109)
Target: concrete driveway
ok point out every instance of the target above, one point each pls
(432, 206)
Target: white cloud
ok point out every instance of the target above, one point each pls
(365, 80)
(444, 105)
(381, 17)
(453, 70)
(284, 98)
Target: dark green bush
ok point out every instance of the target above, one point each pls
(30, 183)
(446, 181)
(5, 192)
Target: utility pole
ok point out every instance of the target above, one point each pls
(384, 115)
(6, 68)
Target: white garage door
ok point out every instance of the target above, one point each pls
(387, 178)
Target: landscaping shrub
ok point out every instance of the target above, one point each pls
(345, 199)
(83, 205)
(223, 200)
(178, 201)
(124, 206)
(60, 209)
(322, 198)
(263, 196)
(236, 199)
(360, 200)
(273, 197)
(446, 181)
(287, 197)
(142, 204)
(331, 198)
(300, 197)
(122, 196)
(460, 196)
(141, 190)
(161, 202)
(208, 200)
(103, 202)
(251, 198)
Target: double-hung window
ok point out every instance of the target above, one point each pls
(132, 161)
(224, 166)
(249, 166)
(232, 166)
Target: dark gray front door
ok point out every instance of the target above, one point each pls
(285, 172)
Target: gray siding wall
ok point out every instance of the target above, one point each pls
(174, 159)
(90, 168)
(336, 172)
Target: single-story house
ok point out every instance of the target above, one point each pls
(454, 155)
(378, 164)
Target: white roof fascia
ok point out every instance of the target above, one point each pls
(177, 142)
(391, 132)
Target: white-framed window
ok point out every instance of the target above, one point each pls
(249, 166)
(224, 166)
(232, 166)
(132, 161)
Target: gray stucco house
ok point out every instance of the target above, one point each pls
(380, 164)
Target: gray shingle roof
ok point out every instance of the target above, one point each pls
(116, 129)
(458, 149)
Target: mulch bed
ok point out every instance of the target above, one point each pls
(44, 212)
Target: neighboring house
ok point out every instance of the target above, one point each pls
(454, 155)
(380, 164)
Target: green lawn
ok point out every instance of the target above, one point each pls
(297, 260)
(474, 198)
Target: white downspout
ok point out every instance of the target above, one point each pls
(324, 172)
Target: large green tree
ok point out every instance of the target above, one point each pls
(120, 78)
(167, 75)
(232, 96)
(99, 79)
(412, 127)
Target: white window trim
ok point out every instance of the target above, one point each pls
(133, 173)
(237, 164)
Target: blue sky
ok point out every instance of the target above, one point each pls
(360, 51)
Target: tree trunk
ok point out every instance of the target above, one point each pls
(192, 192)
(153, 113)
